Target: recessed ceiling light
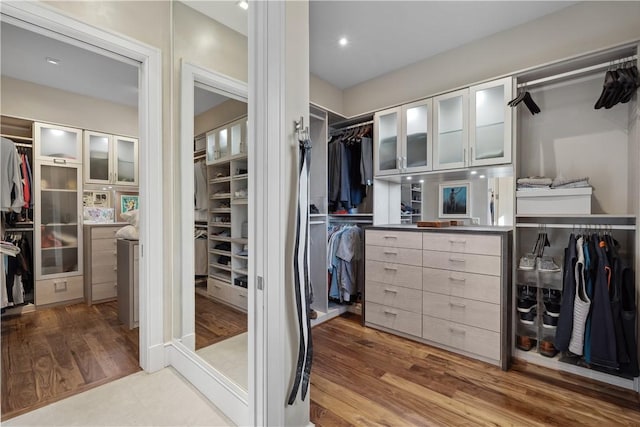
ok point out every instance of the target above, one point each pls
(481, 176)
(408, 178)
(243, 4)
(474, 172)
(343, 41)
(421, 181)
(53, 61)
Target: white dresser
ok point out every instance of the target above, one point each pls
(445, 287)
(101, 266)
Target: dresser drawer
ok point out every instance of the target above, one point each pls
(104, 258)
(478, 287)
(462, 243)
(462, 337)
(408, 276)
(394, 239)
(105, 232)
(468, 263)
(104, 245)
(394, 296)
(393, 318)
(101, 291)
(468, 312)
(394, 255)
(104, 273)
(59, 290)
(233, 295)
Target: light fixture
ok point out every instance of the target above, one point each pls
(243, 4)
(57, 132)
(343, 41)
(481, 176)
(421, 181)
(53, 61)
(474, 172)
(104, 188)
(408, 178)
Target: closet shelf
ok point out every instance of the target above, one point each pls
(19, 138)
(221, 196)
(219, 252)
(240, 177)
(220, 277)
(220, 210)
(241, 271)
(219, 180)
(450, 132)
(241, 156)
(240, 201)
(59, 247)
(220, 238)
(243, 257)
(220, 266)
(221, 224)
(240, 240)
(57, 190)
(59, 224)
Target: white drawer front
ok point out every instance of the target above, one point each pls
(234, 295)
(103, 245)
(468, 263)
(104, 273)
(394, 255)
(462, 243)
(395, 239)
(102, 291)
(473, 340)
(478, 287)
(408, 276)
(59, 290)
(105, 232)
(394, 296)
(394, 318)
(104, 258)
(469, 312)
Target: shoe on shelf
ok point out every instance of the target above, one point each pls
(525, 343)
(241, 194)
(547, 349)
(528, 318)
(527, 291)
(525, 305)
(552, 309)
(313, 209)
(551, 295)
(548, 321)
(547, 264)
(527, 262)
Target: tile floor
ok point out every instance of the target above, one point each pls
(162, 398)
(230, 358)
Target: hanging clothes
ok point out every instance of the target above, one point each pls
(11, 188)
(565, 322)
(201, 197)
(343, 255)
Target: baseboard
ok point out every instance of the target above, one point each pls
(157, 358)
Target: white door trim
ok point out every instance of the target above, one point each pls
(27, 14)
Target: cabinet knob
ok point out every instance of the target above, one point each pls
(392, 291)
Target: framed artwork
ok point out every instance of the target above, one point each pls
(128, 203)
(454, 200)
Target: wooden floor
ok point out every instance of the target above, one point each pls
(362, 376)
(216, 322)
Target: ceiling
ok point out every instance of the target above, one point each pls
(383, 36)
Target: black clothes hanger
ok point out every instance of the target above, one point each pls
(528, 101)
(619, 86)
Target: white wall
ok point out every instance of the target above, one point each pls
(42, 103)
(325, 95)
(479, 191)
(219, 115)
(574, 30)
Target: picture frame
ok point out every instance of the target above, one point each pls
(454, 199)
(128, 202)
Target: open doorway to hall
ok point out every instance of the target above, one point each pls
(69, 320)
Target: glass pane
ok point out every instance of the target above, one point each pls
(387, 149)
(489, 123)
(58, 178)
(450, 115)
(99, 157)
(211, 147)
(236, 139)
(450, 122)
(450, 148)
(417, 136)
(222, 144)
(58, 143)
(59, 253)
(125, 170)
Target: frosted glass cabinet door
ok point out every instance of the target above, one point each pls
(490, 122)
(416, 137)
(97, 164)
(451, 133)
(58, 142)
(126, 161)
(386, 129)
(211, 147)
(223, 146)
(237, 137)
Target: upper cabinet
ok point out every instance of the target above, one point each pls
(227, 142)
(472, 127)
(490, 118)
(110, 159)
(403, 139)
(58, 143)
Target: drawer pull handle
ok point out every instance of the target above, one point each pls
(391, 268)
(390, 312)
(393, 291)
(455, 304)
(390, 253)
(453, 241)
(58, 288)
(389, 236)
(457, 279)
(457, 259)
(217, 286)
(457, 331)
(242, 295)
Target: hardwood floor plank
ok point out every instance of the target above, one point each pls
(325, 418)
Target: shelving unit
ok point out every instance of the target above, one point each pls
(411, 197)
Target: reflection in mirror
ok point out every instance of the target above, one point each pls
(221, 232)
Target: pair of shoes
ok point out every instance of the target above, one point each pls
(547, 264)
(527, 262)
(547, 348)
(528, 317)
(241, 194)
(551, 295)
(525, 343)
(223, 205)
(313, 209)
(552, 309)
(525, 305)
(527, 291)
(549, 321)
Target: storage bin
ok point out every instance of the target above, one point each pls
(561, 201)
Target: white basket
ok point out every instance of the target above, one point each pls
(549, 201)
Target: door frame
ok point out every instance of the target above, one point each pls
(48, 21)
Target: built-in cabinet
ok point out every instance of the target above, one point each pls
(101, 270)
(227, 175)
(448, 289)
(58, 228)
(128, 290)
(110, 159)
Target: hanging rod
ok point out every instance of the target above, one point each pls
(368, 122)
(594, 227)
(19, 144)
(578, 72)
